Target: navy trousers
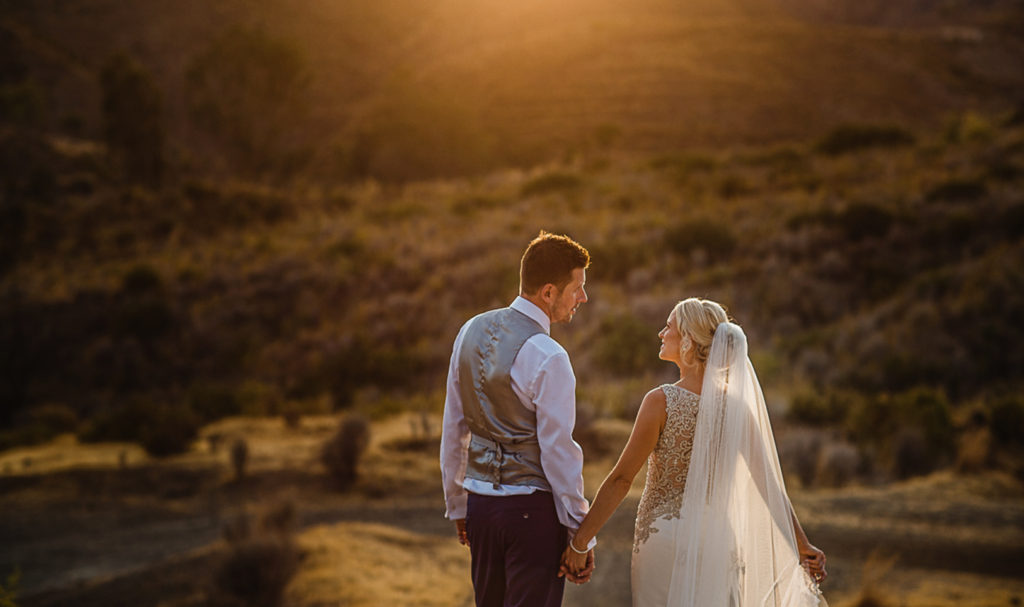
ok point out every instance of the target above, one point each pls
(516, 545)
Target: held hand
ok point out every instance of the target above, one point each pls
(460, 531)
(813, 560)
(572, 562)
(577, 568)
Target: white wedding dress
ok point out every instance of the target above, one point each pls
(714, 526)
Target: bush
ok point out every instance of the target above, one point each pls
(160, 429)
(854, 137)
(291, 412)
(913, 430)
(1008, 420)
(258, 566)
(140, 280)
(957, 190)
(213, 401)
(625, 345)
(861, 220)
(170, 430)
(820, 408)
(52, 419)
(239, 458)
(342, 452)
(715, 239)
(146, 318)
(9, 589)
(799, 452)
(132, 119)
(249, 89)
(837, 464)
(551, 182)
(911, 456)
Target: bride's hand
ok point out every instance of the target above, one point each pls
(573, 562)
(813, 560)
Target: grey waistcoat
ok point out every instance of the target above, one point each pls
(503, 449)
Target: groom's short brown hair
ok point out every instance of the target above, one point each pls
(550, 258)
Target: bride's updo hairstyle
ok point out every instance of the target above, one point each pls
(697, 319)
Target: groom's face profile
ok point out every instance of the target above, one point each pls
(563, 304)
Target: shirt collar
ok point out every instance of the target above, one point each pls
(521, 304)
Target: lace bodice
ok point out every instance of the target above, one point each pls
(668, 463)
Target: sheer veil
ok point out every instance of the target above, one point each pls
(735, 544)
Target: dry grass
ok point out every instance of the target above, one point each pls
(384, 541)
(371, 564)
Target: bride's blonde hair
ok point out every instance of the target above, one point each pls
(697, 319)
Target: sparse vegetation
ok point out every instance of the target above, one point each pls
(133, 120)
(239, 458)
(341, 454)
(259, 562)
(289, 215)
(9, 589)
(855, 137)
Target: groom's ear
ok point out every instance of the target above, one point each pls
(548, 293)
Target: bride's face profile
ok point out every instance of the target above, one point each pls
(670, 341)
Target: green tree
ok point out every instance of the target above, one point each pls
(249, 90)
(132, 120)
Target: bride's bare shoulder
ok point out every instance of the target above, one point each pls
(655, 400)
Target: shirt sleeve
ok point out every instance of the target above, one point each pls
(454, 441)
(554, 395)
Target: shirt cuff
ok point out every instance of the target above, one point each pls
(456, 507)
(590, 544)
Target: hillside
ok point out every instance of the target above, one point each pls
(402, 90)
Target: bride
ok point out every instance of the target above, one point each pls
(714, 526)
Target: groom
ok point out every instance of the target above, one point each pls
(512, 474)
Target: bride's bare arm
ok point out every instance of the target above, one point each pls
(649, 421)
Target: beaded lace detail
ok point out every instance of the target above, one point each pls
(668, 463)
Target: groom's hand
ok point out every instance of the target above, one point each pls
(460, 531)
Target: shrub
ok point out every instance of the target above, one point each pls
(145, 318)
(584, 432)
(551, 182)
(837, 464)
(953, 190)
(625, 345)
(169, 430)
(213, 401)
(614, 260)
(342, 452)
(22, 103)
(258, 566)
(239, 458)
(248, 89)
(53, 418)
(911, 456)
(799, 452)
(861, 220)
(141, 279)
(856, 137)
(160, 429)
(820, 408)
(681, 166)
(291, 412)
(9, 589)
(132, 119)
(732, 186)
(715, 239)
(1008, 420)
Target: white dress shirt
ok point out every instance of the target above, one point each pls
(543, 379)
